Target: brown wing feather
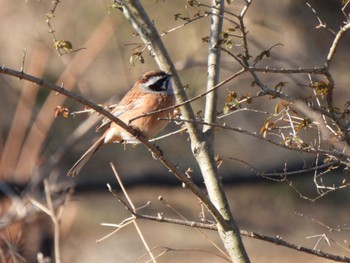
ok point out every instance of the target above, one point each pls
(149, 126)
(124, 105)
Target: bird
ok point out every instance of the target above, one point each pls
(151, 92)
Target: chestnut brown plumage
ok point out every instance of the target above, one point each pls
(151, 92)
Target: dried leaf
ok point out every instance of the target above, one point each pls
(63, 44)
(229, 44)
(225, 35)
(321, 87)
(232, 106)
(249, 100)
(114, 6)
(231, 96)
(60, 110)
(218, 161)
(226, 109)
(267, 127)
(278, 108)
(192, 2)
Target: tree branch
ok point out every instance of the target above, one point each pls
(182, 177)
(274, 240)
(229, 231)
(231, 239)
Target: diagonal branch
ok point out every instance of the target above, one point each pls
(181, 176)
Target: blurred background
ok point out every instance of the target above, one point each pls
(35, 145)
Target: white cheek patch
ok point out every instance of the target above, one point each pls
(166, 84)
(152, 80)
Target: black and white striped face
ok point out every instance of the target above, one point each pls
(156, 82)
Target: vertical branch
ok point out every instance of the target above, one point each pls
(201, 149)
(54, 214)
(216, 22)
(231, 239)
(55, 221)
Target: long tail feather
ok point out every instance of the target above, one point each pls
(75, 170)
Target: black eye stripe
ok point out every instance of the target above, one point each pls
(159, 85)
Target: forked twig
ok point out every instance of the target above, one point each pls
(134, 209)
(54, 213)
(274, 240)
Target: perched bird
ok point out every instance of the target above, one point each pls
(151, 92)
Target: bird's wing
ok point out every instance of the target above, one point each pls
(130, 101)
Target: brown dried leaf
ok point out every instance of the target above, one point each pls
(60, 110)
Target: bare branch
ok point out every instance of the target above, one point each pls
(280, 242)
(188, 182)
(256, 135)
(274, 240)
(134, 209)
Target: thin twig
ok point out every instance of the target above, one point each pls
(274, 240)
(118, 227)
(280, 242)
(55, 220)
(134, 209)
(285, 173)
(168, 249)
(256, 135)
(160, 198)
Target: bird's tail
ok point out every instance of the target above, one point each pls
(75, 170)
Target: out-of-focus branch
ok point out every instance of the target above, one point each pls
(21, 119)
(38, 132)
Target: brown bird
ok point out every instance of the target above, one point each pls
(151, 92)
